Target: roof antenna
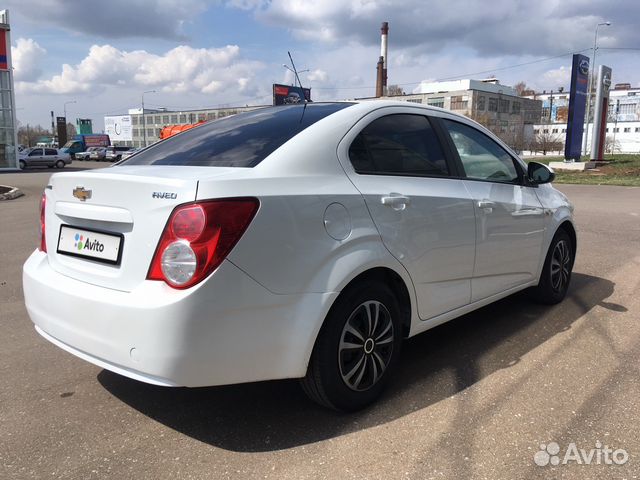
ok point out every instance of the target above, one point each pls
(295, 71)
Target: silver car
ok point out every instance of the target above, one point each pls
(37, 156)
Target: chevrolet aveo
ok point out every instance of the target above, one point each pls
(303, 241)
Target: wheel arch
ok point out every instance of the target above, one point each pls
(568, 227)
(398, 286)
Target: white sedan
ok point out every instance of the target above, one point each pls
(304, 241)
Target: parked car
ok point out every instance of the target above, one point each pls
(87, 154)
(303, 241)
(41, 157)
(98, 154)
(114, 154)
(128, 153)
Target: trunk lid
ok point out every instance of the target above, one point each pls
(124, 207)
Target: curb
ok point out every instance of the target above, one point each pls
(11, 194)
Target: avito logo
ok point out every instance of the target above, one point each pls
(88, 244)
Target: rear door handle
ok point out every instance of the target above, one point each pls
(395, 201)
(486, 205)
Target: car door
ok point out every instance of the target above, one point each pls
(36, 157)
(51, 156)
(423, 213)
(510, 224)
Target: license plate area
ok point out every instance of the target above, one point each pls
(90, 244)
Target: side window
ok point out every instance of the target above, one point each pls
(399, 144)
(36, 152)
(50, 151)
(481, 157)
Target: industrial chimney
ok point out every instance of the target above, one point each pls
(381, 76)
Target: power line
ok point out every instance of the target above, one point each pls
(453, 77)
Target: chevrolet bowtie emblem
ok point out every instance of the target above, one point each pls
(81, 193)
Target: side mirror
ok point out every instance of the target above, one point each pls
(540, 173)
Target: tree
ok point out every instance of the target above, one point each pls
(612, 146)
(28, 135)
(521, 88)
(71, 130)
(544, 141)
(394, 90)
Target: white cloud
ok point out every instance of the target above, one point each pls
(552, 79)
(27, 57)
(181, 69)
(319, 76)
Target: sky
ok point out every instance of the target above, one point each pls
(206, 54)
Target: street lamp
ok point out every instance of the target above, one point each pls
(144, 121)
(64, 107)
(593, 66)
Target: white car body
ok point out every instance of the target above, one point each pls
(43, 156)
(318, 227)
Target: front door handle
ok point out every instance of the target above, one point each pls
(396, 201)
(486, 205)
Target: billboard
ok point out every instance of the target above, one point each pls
(4, 61)
(61, 124)
(288, 95)
(118, 128)
(577, 104)
(600, 113)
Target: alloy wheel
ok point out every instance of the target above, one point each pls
(560, 266)
(366, 345)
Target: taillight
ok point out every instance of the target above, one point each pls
(43, 239)
(198, 237)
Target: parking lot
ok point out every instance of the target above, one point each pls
(474, 398)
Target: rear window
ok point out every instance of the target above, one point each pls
(243, 140)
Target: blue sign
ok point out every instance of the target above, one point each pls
(577, 105)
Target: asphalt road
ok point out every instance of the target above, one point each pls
(474, 398)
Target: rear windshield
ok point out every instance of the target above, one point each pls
(243, 140)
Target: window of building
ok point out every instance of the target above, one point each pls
(481, 103)
(157, 119)
(627, 108)
(165, 119)
(134, 120)
(504, 105)
(515, 108)
(616, 130)
(493, 104)
(134, 132)
(546, 130)
(606, 130)
(183, 118)
(564, 130)
(398, 145)
(459, 102)
(414, 100)
(211, 116)
(174, 118)
(637, 129)
(555, 130)
(627, 130)
(436, 101)
(150, 132)
(536, 131)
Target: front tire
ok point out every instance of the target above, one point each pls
(357, 349)
(60, 164)
(22, 164)
(556, 273)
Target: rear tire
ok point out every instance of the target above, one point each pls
(357, 349)
(556, 273)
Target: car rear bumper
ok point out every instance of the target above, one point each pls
(228, 329)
